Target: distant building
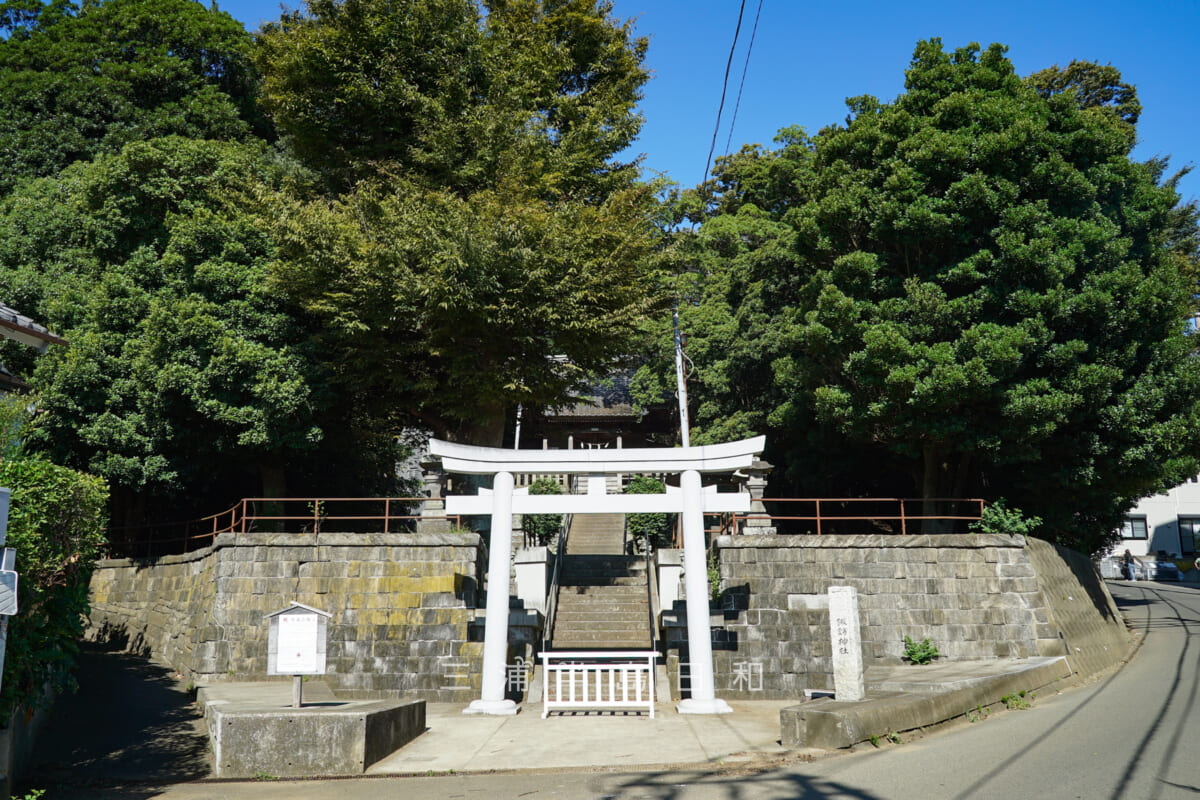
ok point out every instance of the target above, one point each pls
(604, 418)
(1163, 526)
(20, 328)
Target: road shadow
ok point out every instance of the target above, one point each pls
(130, 723)
(724, 784)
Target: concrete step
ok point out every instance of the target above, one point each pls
(602, 642)
(630, 631)
(595, 605)
(609, 580)
(614, 591)
(597, 534)
(600, 614)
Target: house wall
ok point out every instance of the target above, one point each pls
(1162, 513)
(403, 607)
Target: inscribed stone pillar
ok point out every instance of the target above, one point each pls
(847, 644)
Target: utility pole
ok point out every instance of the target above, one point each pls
(681, 381)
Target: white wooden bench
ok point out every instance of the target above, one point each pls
(598, 680)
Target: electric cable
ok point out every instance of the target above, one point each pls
(724, 88)
(742, 85)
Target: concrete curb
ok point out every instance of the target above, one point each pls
(898, 706)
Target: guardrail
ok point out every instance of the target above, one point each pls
(842, 515)
(272, 515)
(560, 552)
(598, 680)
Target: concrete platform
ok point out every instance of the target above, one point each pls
(586, 739)
(255, 732)
(905, 698)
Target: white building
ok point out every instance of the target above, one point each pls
(1165, 523)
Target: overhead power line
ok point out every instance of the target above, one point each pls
(724, 87)
(742, 85)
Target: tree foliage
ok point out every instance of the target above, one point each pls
(56, 526)
(542, 528)
(78, 81)
(184, 368)
(477, 246)
(653, 530)
(971, 290)
(450, 311)
(538, 93)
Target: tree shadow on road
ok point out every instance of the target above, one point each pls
(131, 722)
(723, 784)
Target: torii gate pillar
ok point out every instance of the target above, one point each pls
(692, 501)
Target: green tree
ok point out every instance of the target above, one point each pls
(451, 311)
(56, 526)
(972, 289)
(478, 245)
(653, 529)
(540, 93)
(542, 528)
(76, 81)
(187, 377)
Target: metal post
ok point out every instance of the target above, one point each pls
(495, 632)
(681, 382)
(695, 576)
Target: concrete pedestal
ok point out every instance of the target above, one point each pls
(341, 738)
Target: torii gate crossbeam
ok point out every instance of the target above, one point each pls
(691, 501)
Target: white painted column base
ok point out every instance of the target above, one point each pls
(492, 708)
(714, 706)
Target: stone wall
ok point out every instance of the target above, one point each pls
(403, 608)
(1080, 607)
(976, 597)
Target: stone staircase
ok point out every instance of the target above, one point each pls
(602, 598)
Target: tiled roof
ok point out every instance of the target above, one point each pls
(15, 325)
(610, 397)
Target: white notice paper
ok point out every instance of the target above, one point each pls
(297, 653)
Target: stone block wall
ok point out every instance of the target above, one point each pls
(1080, 607)
(975, 596)
(402, 606)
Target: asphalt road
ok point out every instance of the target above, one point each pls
(1130, 735)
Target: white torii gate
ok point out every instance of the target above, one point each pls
(691, 500)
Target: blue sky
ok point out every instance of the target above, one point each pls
(808, 57)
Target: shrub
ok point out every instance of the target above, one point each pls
(654, 529)
(921, 652)
(998, 518)
(56, 525)
(542, 528)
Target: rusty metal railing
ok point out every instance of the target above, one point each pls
(272, 515)
(887, 515)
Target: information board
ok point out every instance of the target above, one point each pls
(297, 654)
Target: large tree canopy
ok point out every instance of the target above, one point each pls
(186, 373)
(477, 245)
(539, 93)
(79, 81)
(972, 289)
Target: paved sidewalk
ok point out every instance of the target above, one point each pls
(81, 757)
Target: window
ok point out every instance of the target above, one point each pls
(1189, 534)
(1134, 528)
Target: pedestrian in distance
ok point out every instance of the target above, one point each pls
(1130, 565)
